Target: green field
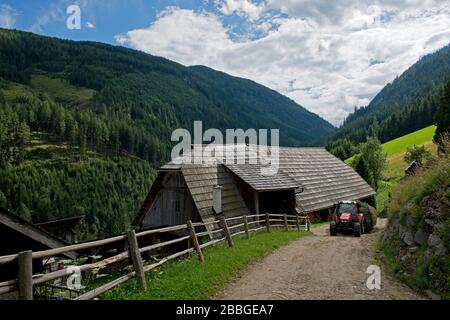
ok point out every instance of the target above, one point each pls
(416, 138)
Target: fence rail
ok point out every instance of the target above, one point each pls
(243, 225)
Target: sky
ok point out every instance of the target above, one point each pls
(328, 56)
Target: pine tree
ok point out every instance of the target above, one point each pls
(23, 212)
(443, 115)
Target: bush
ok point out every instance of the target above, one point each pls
(417, 154)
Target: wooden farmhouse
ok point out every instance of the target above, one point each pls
(309, 181)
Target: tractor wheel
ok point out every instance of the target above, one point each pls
(357, 229)
(333, 228)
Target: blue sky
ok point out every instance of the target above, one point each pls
(109, 17)
(327, 56)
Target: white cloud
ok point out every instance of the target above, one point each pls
(7, 16)
(327, 56)
(245, 8)
(90, 25)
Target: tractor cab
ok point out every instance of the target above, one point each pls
(347, 216)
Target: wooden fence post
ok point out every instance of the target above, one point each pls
(136, 258)
(25, 275)
(268, 222)
(297, 222)
(307, 223)
(285, 222)
(227, 231)
(194, 241)
(247, 233)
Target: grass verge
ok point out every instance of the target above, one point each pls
(190, 279)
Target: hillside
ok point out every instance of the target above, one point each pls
(410, 140)
(140, 99)
(407, 104)
(415, 244)
(56, 181)
(396, 149)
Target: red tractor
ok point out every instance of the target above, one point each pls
(348, 217)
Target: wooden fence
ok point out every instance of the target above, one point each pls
(224, 229)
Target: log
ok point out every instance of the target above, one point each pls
(247, 233)
(106, 287)
(212, 242)
(168, 258)
(136, 259)
(25, 275)
(227, 232)
(194, 241)
(268, 222)
(160, 230)
(162, 244)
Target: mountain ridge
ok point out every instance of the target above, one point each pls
(153, 94)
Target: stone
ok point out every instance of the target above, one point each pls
(437, 244)
(432, 208)
(421, 237)
(409, 221)
(408, 238)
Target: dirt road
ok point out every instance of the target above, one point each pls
(318, 267)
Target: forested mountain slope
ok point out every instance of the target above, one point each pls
(407, 104)
(135, 100)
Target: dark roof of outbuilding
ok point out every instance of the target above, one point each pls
(31, 231)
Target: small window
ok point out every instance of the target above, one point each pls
(177, 206)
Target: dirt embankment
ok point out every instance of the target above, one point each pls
(318, 267)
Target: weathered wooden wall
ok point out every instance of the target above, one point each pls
(173, 204)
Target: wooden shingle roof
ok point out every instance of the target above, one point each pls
(251, 174)
(325, 178)
(201, 180)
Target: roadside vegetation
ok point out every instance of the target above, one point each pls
(415, 245)
(190, 279)
(383, 165)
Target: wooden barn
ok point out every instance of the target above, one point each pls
(16, 235)
(309, 181)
